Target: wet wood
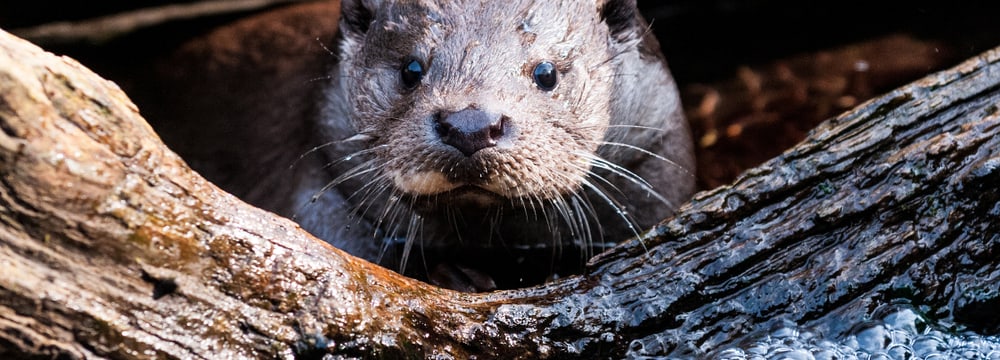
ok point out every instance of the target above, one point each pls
(111, 247)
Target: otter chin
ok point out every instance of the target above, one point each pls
(456, 127)
(431, 187)
(472, 196)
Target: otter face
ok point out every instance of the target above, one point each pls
(513, 110)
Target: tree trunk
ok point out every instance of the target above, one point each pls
(111, 247)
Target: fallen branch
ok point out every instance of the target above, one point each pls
(111, 247)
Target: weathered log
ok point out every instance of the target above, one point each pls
(111, 247)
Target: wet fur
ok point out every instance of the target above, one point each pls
(321, 135)
(601, 157)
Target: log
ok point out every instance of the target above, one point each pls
(111, 247)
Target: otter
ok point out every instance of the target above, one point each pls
(485, 124)
(474, 144)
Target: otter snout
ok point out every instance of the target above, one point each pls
(471, 130)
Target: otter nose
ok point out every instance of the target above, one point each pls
(470, 130)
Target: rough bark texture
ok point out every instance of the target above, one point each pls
(111, 247)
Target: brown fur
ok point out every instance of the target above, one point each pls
(603, 155)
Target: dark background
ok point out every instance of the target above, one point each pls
(704, 39)
(715, 47)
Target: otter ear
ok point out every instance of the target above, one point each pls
(356, 16)
(622, 17)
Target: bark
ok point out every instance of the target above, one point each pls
(111, 247)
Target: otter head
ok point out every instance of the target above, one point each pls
(482, 102)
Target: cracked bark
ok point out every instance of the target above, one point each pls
(111, 247)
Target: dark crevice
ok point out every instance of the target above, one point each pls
(161, 287)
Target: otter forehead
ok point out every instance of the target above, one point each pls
(486, 59)
(548, 17)
(444, 33)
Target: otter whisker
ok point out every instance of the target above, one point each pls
(415, 226)
(359, 137)
(372, 190)
(364, 168)
(538, 208)
(494, 224)
(550, 214)
(387, 240)
(331, 143)
(328, 50)
(586, 87)
(601, 163)
(389, 221)
(650, 153)
(621, 50)
(413, 232)
(528, 205)
(586, 211)
(350, 157)
(390, 212)
(564, 212)
(557, 231)
(597, 162)
(639, 127)
(369, 190)
(360, 169)
(451, 220)
(632, 177)
(576, 221)
(620, 209)
(318, 78)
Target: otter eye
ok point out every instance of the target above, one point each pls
(411, 73)
(545, 75)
